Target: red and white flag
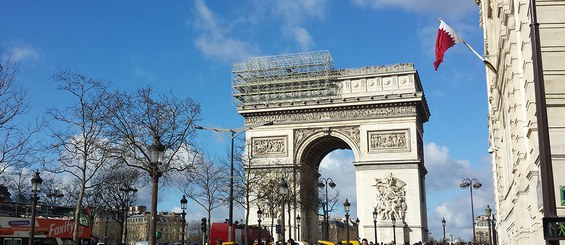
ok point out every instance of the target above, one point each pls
(446, 38)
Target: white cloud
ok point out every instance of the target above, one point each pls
(298, 11)
(215, 40)
(302, 36)
(446, 199)
(22, 51)
(456, 9)
(338, 165)
(295, 14)
(226, 37)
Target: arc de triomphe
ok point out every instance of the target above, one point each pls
(377, 112)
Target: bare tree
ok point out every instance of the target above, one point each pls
(16, 145)
(116, 192)
(194, 234)
(257, 184)
(149, 120)
(19, 184)
(78, 135)
(205, 185)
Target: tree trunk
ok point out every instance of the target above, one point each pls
(78, 211)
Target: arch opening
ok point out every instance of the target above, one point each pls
(319, 201)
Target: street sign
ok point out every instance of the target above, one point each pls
(554, 228)
(279, 229)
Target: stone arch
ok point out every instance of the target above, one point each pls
(326, 140)
(379, 115)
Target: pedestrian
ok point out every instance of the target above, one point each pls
(290, 242)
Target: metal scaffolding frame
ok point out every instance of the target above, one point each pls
(284, 78)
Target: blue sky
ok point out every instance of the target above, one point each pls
(188, 47)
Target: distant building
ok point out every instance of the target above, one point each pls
(169, 224)
(482, 235)
(338, 231)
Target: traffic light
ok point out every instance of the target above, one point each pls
(203, 225)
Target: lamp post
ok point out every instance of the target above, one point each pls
(35, 188)
(283, 191)
(298, 226)
(443, 224)
(156, 151)
(357, 221)
(393, 229)
(183, 203)
(493, 229)
(346, 207)
(259, 216)
(325, 182)
(375, 216)
(234, 132)
(488, 212)
(471, 183)
(106, 231)
(127, 190)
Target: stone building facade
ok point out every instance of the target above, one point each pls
(512, 122)
(482, 234)
(168, 223)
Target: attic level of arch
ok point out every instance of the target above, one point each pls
(322, 102)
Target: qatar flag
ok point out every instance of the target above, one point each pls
(446, 38)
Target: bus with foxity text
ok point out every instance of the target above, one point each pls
(53, 224)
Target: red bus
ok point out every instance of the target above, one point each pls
(53, 225)
(220, 231)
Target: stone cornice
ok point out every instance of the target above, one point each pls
(338, 113)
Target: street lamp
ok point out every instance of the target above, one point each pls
(183, 203)
(488, 212)
(375, 216)
(357, 221)
(283, 191)
(471, 183)
(35, 188)
(259, 216)
(393, 229)
(493, 229)
(325, 182)
(106, 231)
(346, 207)
(234, 132)
(298, 225)
(443, 224)
(156, 151)
(127, 190)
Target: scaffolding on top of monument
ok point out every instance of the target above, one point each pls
(284, 78)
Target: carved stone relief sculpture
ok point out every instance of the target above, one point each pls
(387, 140)
(391, 198)
(269, 147)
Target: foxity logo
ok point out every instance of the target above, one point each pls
(55, 230)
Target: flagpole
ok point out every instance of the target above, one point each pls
(487, 63)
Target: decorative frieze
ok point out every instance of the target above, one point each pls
(269, 147)
(328, 115)
(388, 140)
(401, 67)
